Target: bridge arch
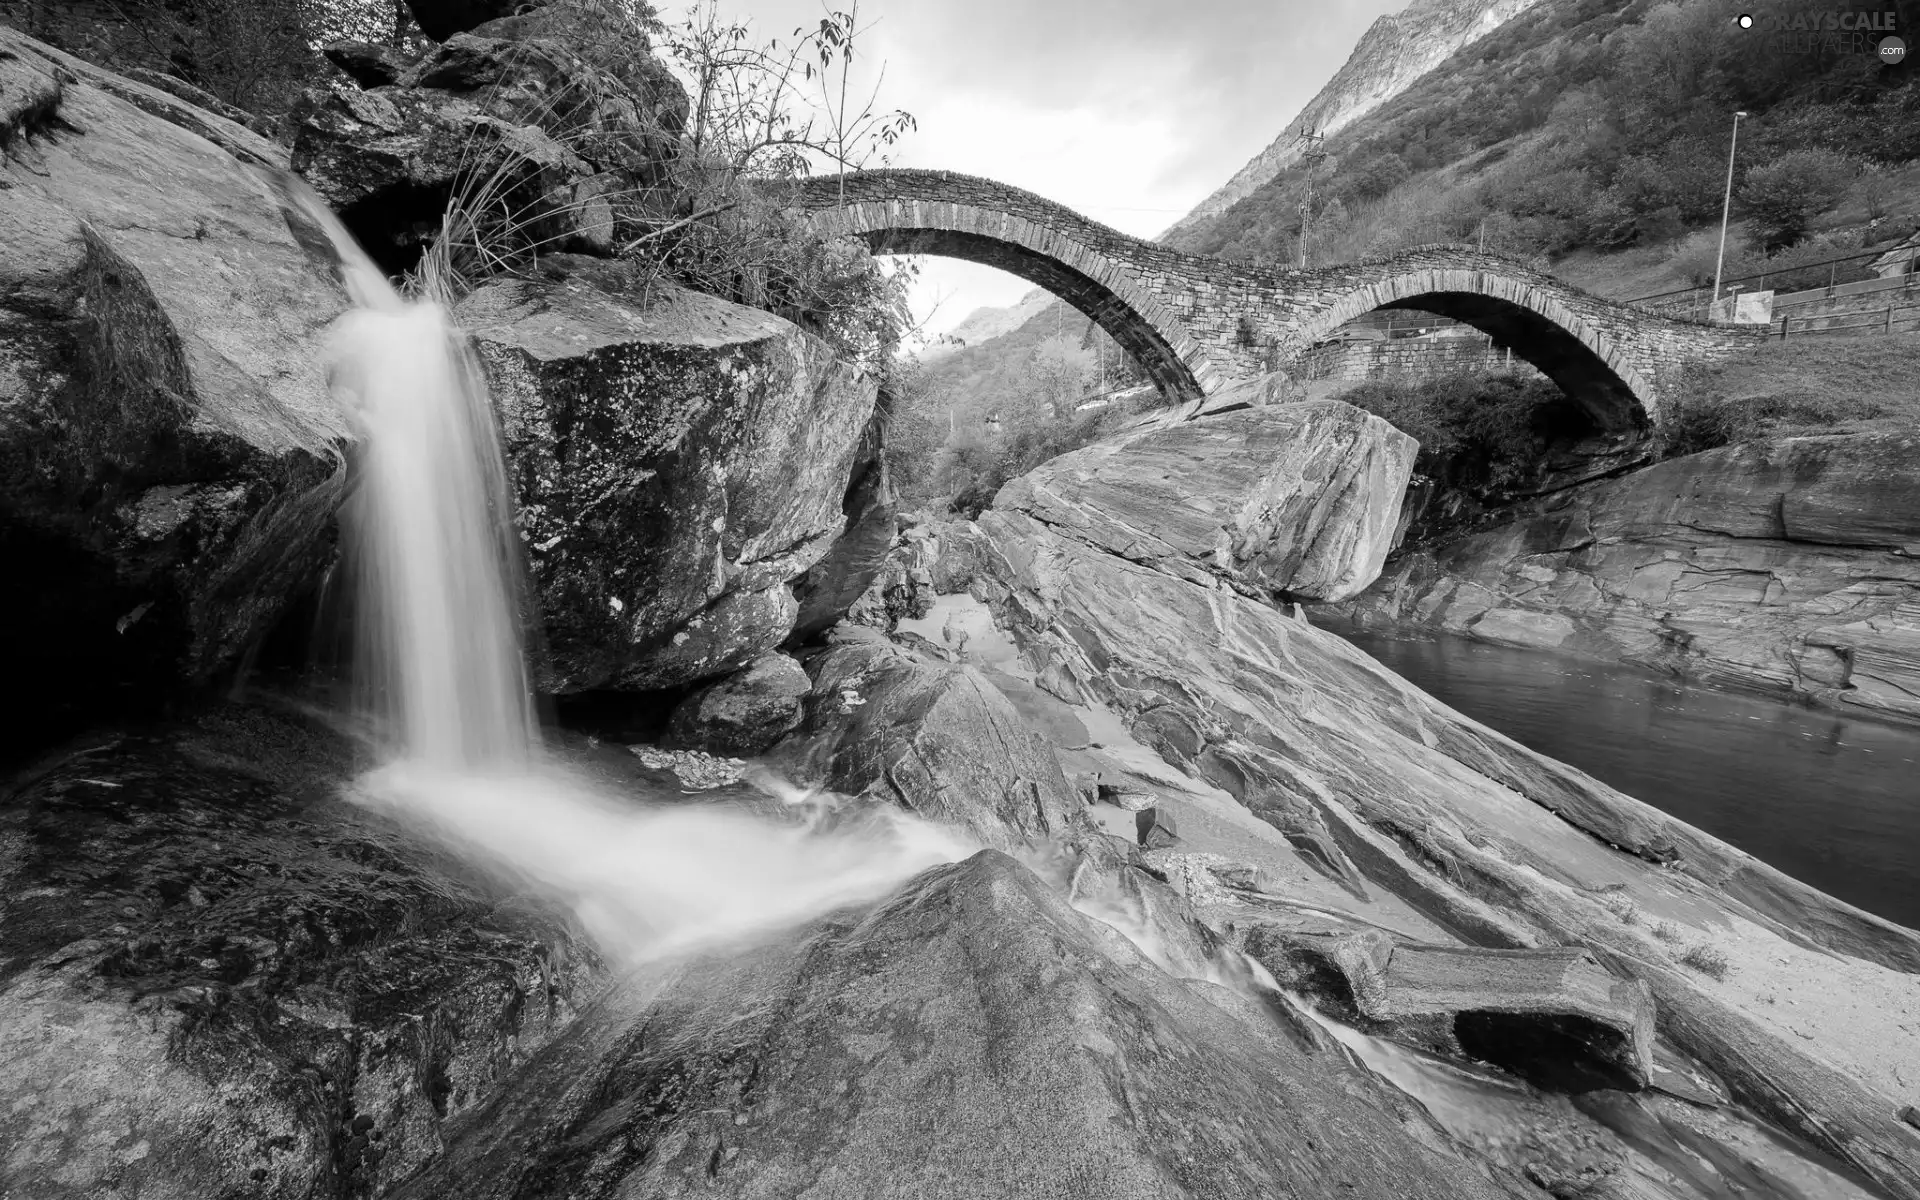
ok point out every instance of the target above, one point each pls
(1089, 265)
(1592, 367)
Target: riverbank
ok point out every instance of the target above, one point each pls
(1786, 566)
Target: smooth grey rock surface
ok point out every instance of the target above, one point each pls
(975, 1035)
(933, 737)
(1495, 844)
(1294, 499)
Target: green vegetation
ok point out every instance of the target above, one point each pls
(1592, 125)
(1817, 384)
(954, 443)
(1478, 433)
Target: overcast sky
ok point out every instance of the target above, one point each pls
(1129, 111)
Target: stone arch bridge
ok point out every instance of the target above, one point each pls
(1196, 322)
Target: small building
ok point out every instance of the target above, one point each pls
(1903, 259)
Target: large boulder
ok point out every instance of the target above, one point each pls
(169, 454)
(217, 978)
(563, 112)
(1300, 500)
(745, 713)
(973, 1036)
(1788, 565)
(903, 588)
(679, 460)
(934, 737)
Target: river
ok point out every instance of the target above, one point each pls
(1831, 799)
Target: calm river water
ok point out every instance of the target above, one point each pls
(1832, 800)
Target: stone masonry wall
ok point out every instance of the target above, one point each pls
(1220, 320)
(1407, 358)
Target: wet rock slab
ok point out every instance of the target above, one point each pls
(1496, 845)
(219, 979)
(745, 713)
(972, 1036)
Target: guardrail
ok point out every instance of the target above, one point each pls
(1871, 321)
(1694, 301)
(1908, 283)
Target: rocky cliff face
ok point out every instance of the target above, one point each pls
(1784, 566)
(1396, 50)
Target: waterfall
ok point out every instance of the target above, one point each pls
(441, 677)
(439, 668)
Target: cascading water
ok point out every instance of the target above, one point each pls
(441, 674)
(438, 659)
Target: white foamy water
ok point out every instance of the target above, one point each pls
(653, 880)
(441, 675)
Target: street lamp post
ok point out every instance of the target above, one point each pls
(1726, 208)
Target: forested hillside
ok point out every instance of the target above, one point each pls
(1591, 127)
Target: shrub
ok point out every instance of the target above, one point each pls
(1783, 197)
(1623, 909)
(1707, 959)
(1698, 421)
(1008, 426)
(1475, 431)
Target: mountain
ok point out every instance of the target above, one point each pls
(1395, 51)
(986, 323)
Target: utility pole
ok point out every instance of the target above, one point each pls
(1312, 153)
(1726, 207)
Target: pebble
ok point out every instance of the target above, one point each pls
(695, 770)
